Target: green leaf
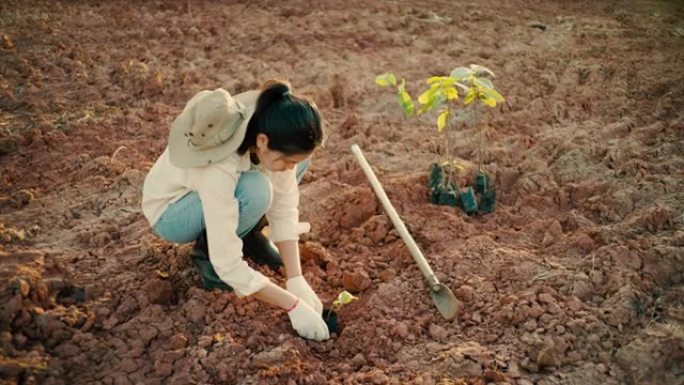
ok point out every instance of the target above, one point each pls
(441, 120)
(405, 100)
(432, 103)
(345, 298)
(386, 79)
(484, 82)
(481, 69)
(406, 103)
(435, 102)
(440, 99)
(460, 73)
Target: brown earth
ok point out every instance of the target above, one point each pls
(576, 278)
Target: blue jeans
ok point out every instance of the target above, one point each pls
(183, 221)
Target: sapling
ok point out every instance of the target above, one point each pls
(331, 318)
(442, 97)
(343, 298)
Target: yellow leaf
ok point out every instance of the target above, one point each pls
(426, 97)
(386, 79)
(441, 81)
(441, 120)
(451, 93)
(491, 102)
(470, 96)
(492, 93)
(435, 79)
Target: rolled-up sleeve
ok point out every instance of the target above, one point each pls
(216, 189)
(283, 214)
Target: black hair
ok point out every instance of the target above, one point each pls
(291, 123)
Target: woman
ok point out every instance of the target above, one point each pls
(230, 161)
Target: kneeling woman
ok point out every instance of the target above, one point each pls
(231, 161)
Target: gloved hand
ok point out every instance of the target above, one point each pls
(307, 322)
(299, 287)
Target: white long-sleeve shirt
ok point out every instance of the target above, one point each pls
(215, 184)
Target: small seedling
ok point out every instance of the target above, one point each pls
(330, 316)
(344, 298)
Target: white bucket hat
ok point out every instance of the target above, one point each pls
(211, 127)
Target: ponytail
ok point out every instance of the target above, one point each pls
(291, 123)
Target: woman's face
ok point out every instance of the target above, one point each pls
(276, 160)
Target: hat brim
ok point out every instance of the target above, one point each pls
(185, 156)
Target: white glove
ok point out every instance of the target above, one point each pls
(307, 322)
(299, 287)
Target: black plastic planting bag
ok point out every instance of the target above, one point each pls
(436, 177)
(469, 201)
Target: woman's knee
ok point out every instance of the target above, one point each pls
(183, 220)
(176, 234)
(254, 191)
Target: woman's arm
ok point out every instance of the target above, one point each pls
(221, 212)
(283, 218)
(276, 296)
(289, 252)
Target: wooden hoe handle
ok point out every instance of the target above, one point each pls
(394, 217)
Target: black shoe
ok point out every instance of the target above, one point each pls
(201, 245)
(200, 257)
(257, 247)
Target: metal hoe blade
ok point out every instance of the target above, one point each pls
(444, 299)
(446, 302)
